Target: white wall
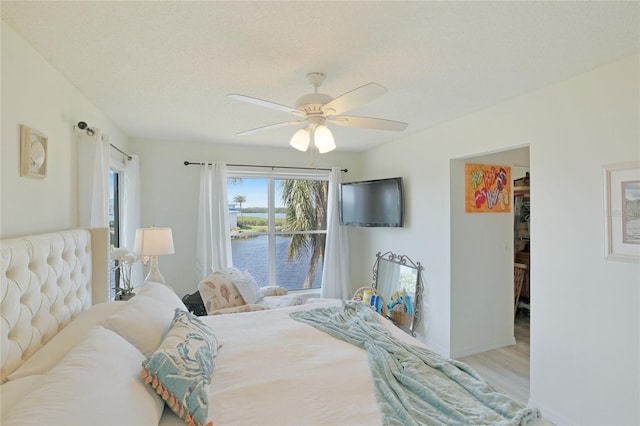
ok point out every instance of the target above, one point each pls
(37, 95)
(170, 190)
(585, 323)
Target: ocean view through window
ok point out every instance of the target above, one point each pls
(278, 228)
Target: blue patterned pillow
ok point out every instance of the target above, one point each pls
(180, 369)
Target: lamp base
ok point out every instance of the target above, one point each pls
(154, 274)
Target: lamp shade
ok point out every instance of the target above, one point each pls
(154, 241)
(300, 139)
(323, 139)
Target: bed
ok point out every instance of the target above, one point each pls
(70, 356)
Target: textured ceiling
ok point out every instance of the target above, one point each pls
(162, 70)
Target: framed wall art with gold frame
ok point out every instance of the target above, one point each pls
(33, 153)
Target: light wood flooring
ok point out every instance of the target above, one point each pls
(508, 367)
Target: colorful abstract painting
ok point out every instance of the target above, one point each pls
(487, 188)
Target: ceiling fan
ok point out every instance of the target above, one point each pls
(316, 109)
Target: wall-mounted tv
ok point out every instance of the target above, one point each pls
(372, 203)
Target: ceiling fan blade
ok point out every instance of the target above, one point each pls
(354, 98)
(271, 126)
(368, 122)
(266, 104)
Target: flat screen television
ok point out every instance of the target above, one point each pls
(372, 203)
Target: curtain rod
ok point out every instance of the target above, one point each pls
(120, 151)
(82, 125)
(189, 163)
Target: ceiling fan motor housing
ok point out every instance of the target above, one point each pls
(312, 103)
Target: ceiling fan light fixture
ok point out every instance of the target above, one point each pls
(300, 139)
(316, 108)
(323, 138)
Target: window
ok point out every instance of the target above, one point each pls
(114, 224)
(278, 228)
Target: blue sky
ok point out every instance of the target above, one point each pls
(255, 191)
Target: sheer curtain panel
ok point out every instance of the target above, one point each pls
(93, 180)
(335, 273)
(131, 211)
(131, 201)
(213, 243)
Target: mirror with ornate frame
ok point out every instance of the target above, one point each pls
(398, 280)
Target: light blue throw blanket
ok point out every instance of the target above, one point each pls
(414, 386)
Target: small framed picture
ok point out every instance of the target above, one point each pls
(622, 211)
(33, 153)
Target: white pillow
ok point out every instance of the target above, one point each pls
(14, 391)
(97, 383)
(143, 321)
(248, 288)
(161, 293)
(232, 272)
(59, 345)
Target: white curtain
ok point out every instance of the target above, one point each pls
(213, 242)
(93, 180)
(335, 272)
(131, 202)
(131, 211)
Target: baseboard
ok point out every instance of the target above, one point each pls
(507, 341)
(550, 415)
(433, 346)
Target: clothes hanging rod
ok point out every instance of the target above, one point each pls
(190, 163)
(120, 151)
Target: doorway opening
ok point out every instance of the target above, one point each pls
(487, 331)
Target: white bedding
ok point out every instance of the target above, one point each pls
(272, 370)
(90, 375)
(96, 383)
(269, 370)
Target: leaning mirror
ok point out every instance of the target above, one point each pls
(398, 280)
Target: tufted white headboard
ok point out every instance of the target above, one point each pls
(46, 281)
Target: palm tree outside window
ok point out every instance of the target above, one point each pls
(239, 199)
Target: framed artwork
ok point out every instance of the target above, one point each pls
(33, 153)
(487, 188)
(622, 211)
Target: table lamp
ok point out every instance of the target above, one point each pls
(154, 242)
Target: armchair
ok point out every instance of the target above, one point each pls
(232, 291)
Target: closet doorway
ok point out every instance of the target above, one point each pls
(500, 361)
